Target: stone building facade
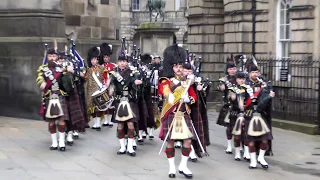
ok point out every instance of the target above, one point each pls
(134, 13)
(27, 25)
(284, 30)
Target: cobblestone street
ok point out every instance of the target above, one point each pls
(25, 154)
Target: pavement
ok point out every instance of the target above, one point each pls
(25, 155)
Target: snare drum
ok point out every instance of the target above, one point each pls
(101, 99)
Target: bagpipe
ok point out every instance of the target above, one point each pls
(205, 83)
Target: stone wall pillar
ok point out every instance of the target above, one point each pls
(239, 28)
(206, 35)
(25, 27)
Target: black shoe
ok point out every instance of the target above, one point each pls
(172, 175)
(237, 159)
(110, 125)
(98, 128)
(120, 153)
(93, 128)
(229, 152)
(144, 137)
(133, 154)
(264, 166)
(75, 136)
(105, 125)
(140, 140)
(134, 147)
(188, 176)
(53, 148)
(194, 160)
(70, 143)
(251, 167)
(151, 137)
(62, 148)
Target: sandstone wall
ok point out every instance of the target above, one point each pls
(25, 27)
(92, 22)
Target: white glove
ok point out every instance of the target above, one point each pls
(170, 98)
(185, 98)
(191, 76)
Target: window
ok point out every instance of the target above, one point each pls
(283, 34)
(177, 5)
(117, 34)
(135, 5)
(284, 31)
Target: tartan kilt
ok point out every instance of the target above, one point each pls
(109, 111)
(198, 125)
(233, 118)
(150, 110)
(248, 138)
(165, 125)
(143, 114)
(64, 106)
(77, 118)
(223, 113)
(134, 108)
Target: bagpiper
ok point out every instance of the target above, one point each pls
(146, 120)
(105, 55)
(226, 83)
(77, 121)
(175, 116)
(200, 87)
(54, 107)
(120, 85)
(257, 119)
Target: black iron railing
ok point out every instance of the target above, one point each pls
(296, 84)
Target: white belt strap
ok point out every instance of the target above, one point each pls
(96, 79)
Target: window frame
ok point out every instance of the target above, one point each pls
(283, 37)
(135, 5)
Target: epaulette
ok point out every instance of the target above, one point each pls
(40, 78)
(223, 79)
(113, 73)
(243, 85)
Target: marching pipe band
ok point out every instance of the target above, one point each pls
(143, 93)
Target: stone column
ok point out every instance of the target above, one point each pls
(238, 27)
(206, 36)
(25, 27)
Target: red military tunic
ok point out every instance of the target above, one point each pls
(167, 86)
(108, 68)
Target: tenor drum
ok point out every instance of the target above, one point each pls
(101, 99)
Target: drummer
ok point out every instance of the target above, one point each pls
(94, 79)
